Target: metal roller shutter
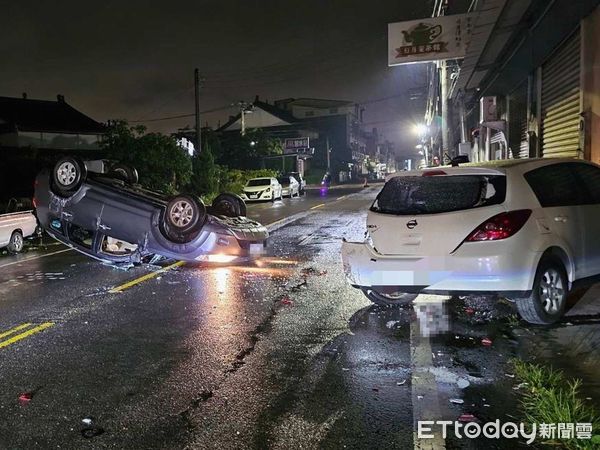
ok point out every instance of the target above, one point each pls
(561, 101)
(517, 139)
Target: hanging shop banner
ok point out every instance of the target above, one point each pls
(296, 145)
(432, 39)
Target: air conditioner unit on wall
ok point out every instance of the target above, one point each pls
(488, 109)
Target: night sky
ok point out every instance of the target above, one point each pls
(131, 60)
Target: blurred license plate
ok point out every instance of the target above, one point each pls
(253, 196)
(256, 248)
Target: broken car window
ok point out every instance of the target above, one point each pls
(439, 194)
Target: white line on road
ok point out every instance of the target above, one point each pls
(35, 257)
(425, 400)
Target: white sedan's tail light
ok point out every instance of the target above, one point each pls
(500, 226)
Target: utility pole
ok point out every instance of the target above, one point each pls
(243, 115)
(445, 110)
(328, 156)
(244, 109)
(197, 110)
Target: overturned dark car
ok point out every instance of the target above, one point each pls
(98, 208)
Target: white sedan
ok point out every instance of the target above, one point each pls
(290, 187)
(264, 188)
(524, 229)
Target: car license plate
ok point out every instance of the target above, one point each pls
(256, 249)
(253, 196)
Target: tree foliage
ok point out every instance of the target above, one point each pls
(247, 151)
(162, 165)
(205, 173)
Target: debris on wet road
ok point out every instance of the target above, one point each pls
(260, 356)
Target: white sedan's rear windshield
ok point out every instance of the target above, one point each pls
(438, 194)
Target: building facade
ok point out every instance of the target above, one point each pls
(33, 133)
(334, 128)
(529, 85)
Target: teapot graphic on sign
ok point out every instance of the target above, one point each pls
(422, 34)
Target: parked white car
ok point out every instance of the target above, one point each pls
(289, 186)
(14, 228)
(524, 229)
(300, 179)
(265, 188)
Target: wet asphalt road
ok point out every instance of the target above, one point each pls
(281, 354)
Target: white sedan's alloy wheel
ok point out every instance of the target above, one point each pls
(552, 292)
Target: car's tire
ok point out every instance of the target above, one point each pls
(184, 216)
(67, 176)
(16, 243)
(124, 173)
(388, 299)
(229, 205)
(548, 298)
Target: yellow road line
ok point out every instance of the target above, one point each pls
(14, 330)
(27, 333)
(275, 223)
(340, 198)
(151, 275)
(148, 276)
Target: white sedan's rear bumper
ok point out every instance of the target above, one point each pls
(473, 268)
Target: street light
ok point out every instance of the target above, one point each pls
(421, 129)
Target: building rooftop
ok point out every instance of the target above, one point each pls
(23, 114)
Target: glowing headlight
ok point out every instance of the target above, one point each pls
(218, 258)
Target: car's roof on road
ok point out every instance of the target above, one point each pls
(498, 167)
(515, 162)
(518, 162)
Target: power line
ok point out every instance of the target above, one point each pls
(181, 116)
(390, 97)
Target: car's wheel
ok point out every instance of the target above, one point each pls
(68, 175)
(185, 214)
(125, 173)
(16, 243)
(230, 205)
(546, 304)
(388, 299)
